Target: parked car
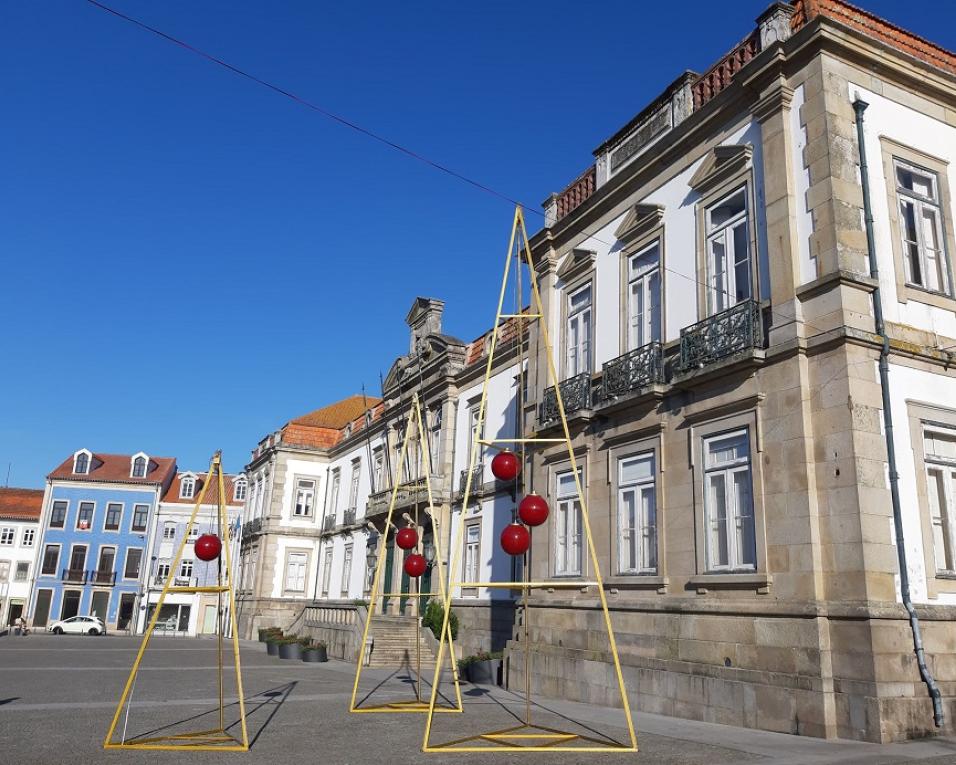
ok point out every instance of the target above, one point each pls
(79, 625)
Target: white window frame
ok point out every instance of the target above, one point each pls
(187, 487)
(24, 566)
(239, 489)
(736, 514)
(378, 468)
(66, 511)
(169, 530)
(162, 569)
(8, 535)
(471, 565)
(346, 570)
(637, 517)
(354, 483)
(135, 462)
(334, 493)
(186, 568)
(304, 498)
(106, 517)
(327, 571)
(132, 523)
(79, 511)
(644, 290)
(921, 206)
(435, 431)
(88, 457)
(568, 533)
(942, 508)
(721, 287)
(29, 538)
(126, 563)
(579, 332)
(56, 564)
(296, 571)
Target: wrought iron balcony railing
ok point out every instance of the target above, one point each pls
(725, 334)
(102, 577)
(348, 517)
(575, 394)
(251, 527)
(74, 575)
(632, 371)
(409, 493)
(328, 523)
(477, 477)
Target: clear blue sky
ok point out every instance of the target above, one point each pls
(190, 260)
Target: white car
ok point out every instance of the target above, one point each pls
(79, 625)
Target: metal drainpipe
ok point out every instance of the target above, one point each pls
(859, 106)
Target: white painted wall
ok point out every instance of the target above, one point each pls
(906, 126)
(801, 179)
(13, 554)
(299, 468)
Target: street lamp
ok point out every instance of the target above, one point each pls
(429, 552)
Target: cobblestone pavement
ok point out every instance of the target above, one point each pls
(57, 696)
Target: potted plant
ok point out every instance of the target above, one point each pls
(265, 632)
(435, 616)
(272, 643)
(484, 667)
(314, 651)
(289, 647)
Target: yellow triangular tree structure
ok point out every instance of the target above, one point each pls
(527, 736)
(414, 429)
(218, 738)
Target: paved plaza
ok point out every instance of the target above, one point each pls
(57, 695)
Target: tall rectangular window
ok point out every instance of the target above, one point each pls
(378, 469)
(23, 571)
(567, 519)
(134, 557)
(472, 556)
(140, 516)
(114, 516)
(169, 530)
(51, 560)
(474, 434)
(729, 279)
(435, 440)
(304, 497)
(939, 453)
(327, 571)
(58, 514)
(7, 535)
(295, 565)
(162, 571)
(4, 570)
(728, 502)
(29, 536)
(346, 570)
(84, 516)
(921, 228)
(637, 514)
(578, 332)
(644, 297)
(334, 494)
(354, 485)
(186, 568)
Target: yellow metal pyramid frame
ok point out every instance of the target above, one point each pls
(526, 737)
(415, 427)
(215, 739)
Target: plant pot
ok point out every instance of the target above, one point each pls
(315, 654)
(272, 649)
(484, 672)
(290, 651)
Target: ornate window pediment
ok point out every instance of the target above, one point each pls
(578, 261)
(721, 164)
(641, 220)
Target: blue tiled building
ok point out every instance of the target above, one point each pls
(97, 518)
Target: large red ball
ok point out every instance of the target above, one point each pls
(406, 538)
(505, 466)
(533, 510)
(207, 547)
(415, 565)
(515, 539)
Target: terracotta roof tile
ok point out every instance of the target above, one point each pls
(116, 468)
(336, 415)
(21, 504)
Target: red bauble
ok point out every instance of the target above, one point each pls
(406, 538)
(505, 466)
(207, 547)
(533, 510)
(515, 539)
(415, 565)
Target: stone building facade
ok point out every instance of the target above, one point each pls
(708, 288)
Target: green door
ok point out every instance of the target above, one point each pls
(389, 558)
(426, 581)
(405, 583)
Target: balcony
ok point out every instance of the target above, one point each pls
(575, 395)
(725, 335)
(102, 577)
(409, 493)
(328, 524)
(477, 480)
(632, 372)
(348, 517)
(249, 528)
(74, 575)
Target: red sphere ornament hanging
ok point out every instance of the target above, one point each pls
(406, 538)
(533, 510)
(207, 547)
(505, 466)
(515, 539)
(415, 565)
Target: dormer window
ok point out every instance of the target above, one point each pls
(138, 466)
(348, 430)
(239, 490)
(187, 487)
(81, 462)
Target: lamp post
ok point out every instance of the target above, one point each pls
(371, 557)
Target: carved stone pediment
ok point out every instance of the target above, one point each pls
(720, 164)
(641, 220)
(577, 262)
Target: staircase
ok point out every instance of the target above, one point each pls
(393, 643)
